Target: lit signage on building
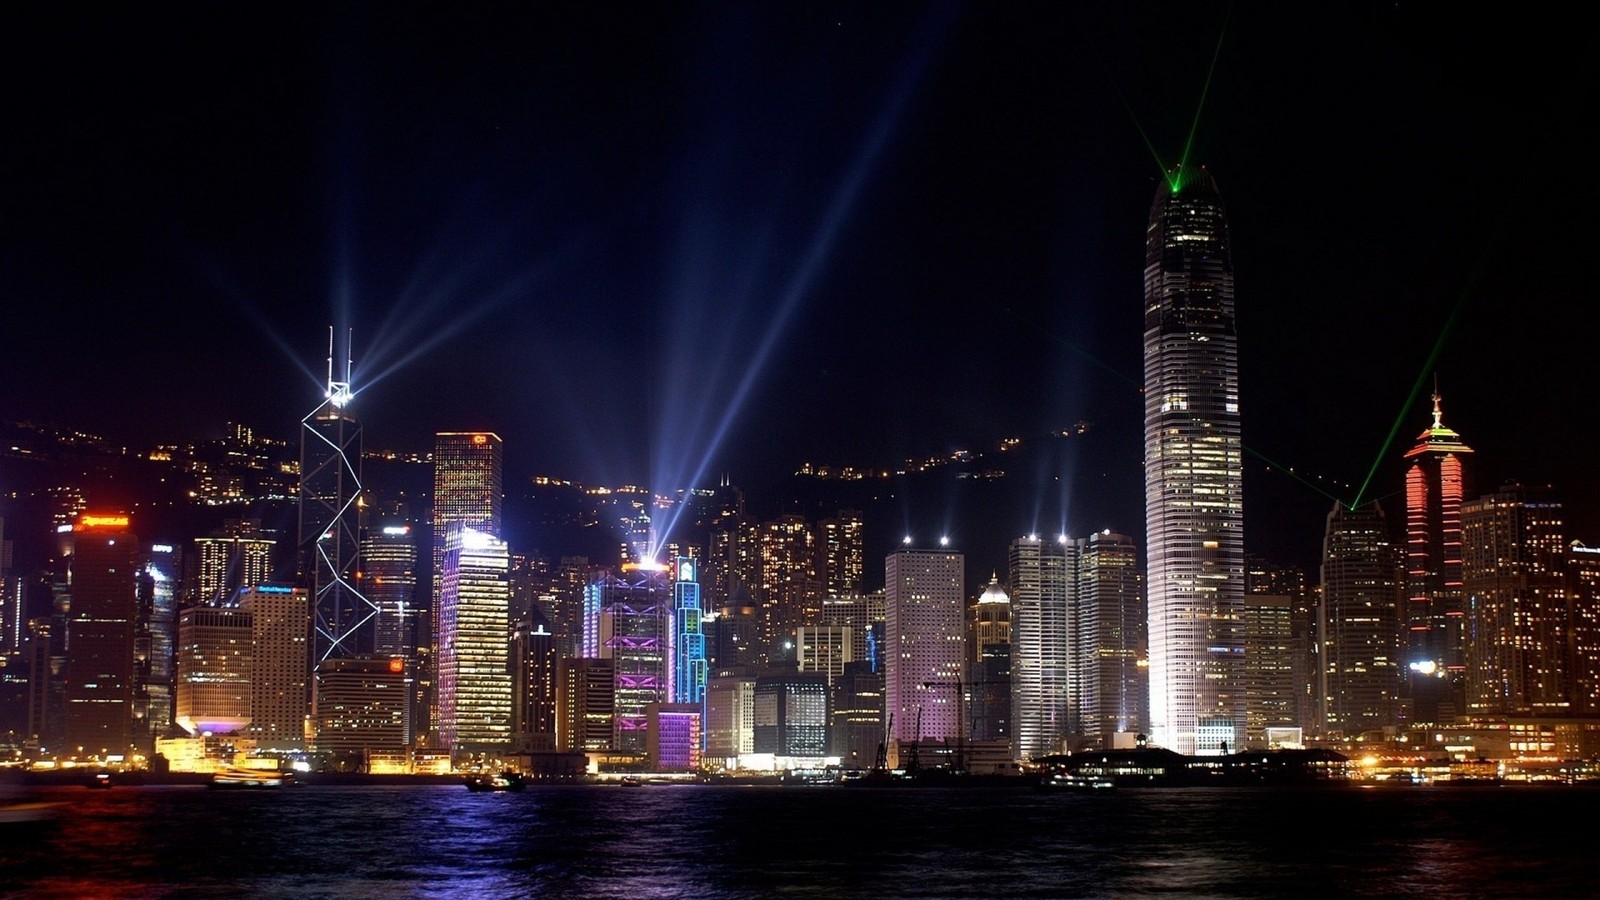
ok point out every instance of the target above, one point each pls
(480, 439)
(102, 521)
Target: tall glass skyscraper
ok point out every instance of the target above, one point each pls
(466, 491)
(474, 675)
(1194, 512)
(1358, 626)
(389, 580)
(1042, 595)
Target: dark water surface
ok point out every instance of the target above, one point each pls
(735, 842)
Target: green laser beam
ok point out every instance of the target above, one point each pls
(1083, 353)
(1160, 166)
(1194, 126)
(1411, 399)
(1288, 471)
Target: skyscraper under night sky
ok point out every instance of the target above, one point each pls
(1194, 512)
(1434, 654)
(329, 546)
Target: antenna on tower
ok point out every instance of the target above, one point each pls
(349, 352)
(339, 391)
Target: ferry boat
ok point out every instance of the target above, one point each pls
(241, 777)
(504, 781)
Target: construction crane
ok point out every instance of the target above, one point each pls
(881, 762)
(958, 759)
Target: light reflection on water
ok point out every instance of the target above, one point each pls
(759, 842)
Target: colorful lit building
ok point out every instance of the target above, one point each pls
(688, 649)
(627, 620)
(674, 736)
(467, 490)
(1434, 655)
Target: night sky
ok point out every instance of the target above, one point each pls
(656, 243)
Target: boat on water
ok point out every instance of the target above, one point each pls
(503, 781)
(240, 777)
(99, 780)
(1068, 781)
(25, 813)
(631, 781)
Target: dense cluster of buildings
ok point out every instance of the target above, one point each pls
(1464, 622)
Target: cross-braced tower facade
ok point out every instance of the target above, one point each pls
(330, 523)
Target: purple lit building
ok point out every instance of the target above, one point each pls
(673, 736)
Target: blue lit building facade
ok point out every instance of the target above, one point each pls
(688, 638)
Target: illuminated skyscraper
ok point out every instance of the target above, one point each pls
(1108, 637)
(674, 736)
(864, 615)
(1359, 622)
(1042, 593)
(824, 649)
(1434, 654)
(467, 490)
(100, 631)
(688, 639)
(1270, 667)
(627, 620)
(790, 715)
(361, 705)
(790, 595)
(1194, 512)
(730, 716)
(1519, 610)
(925, 634)
(585, 704)
(215, 662)
(839, 541)
(474, 678)
(330, 522)
(234, 557)
(989, 667)
(280, 630)
(1583, 572)
(155, 633)
(534, 673)
(389, 580)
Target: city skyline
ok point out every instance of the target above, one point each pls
(712, 240)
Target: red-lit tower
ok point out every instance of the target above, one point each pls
(1434, 641)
